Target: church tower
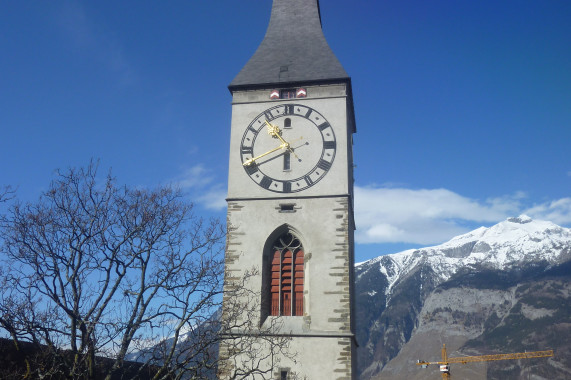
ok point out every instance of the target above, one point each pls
(290, 199)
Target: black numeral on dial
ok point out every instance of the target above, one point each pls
(324, 165)
(329, 145)
(247, 150)
(251, 169)
(266, 182)
(308, 180)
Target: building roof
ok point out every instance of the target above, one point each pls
(294, 49)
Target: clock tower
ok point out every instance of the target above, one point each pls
(290, 201)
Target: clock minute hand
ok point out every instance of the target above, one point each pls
(252, 160)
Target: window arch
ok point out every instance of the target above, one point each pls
(286, 276)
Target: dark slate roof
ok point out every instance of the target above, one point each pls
(293, 50)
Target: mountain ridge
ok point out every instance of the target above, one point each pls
(466, 293)
(484, 244)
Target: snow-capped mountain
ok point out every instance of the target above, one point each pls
(422, 293)
(504, 245)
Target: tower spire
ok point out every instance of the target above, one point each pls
(293, 50)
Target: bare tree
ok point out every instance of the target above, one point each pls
(6, 193)
(96, 276)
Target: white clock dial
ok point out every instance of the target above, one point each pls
(288, 148)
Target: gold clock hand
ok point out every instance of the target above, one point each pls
(274, 130)
(252, 160)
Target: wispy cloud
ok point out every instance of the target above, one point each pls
(200, 183)
(431, 216)
(194, 177)
(558, 211)
(214, 198)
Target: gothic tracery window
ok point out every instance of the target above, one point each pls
(287, 277)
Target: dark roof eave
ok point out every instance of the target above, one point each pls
(272, 85)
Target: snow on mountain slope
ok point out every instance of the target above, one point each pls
(474, 288)
(511, 242)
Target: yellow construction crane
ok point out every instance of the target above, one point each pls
(446, 361)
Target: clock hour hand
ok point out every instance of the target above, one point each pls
(274, 130)
(252, 160)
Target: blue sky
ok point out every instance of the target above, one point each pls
(463, 108)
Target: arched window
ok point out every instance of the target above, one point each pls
(286, 288)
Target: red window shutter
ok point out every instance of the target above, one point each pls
(275, 285)
(275, 304)
(286, 282)
(286, 303)
(298, 284)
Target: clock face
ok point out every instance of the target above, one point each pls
(288, 148)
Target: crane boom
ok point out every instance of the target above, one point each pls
(485, 358)
(446, 361)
